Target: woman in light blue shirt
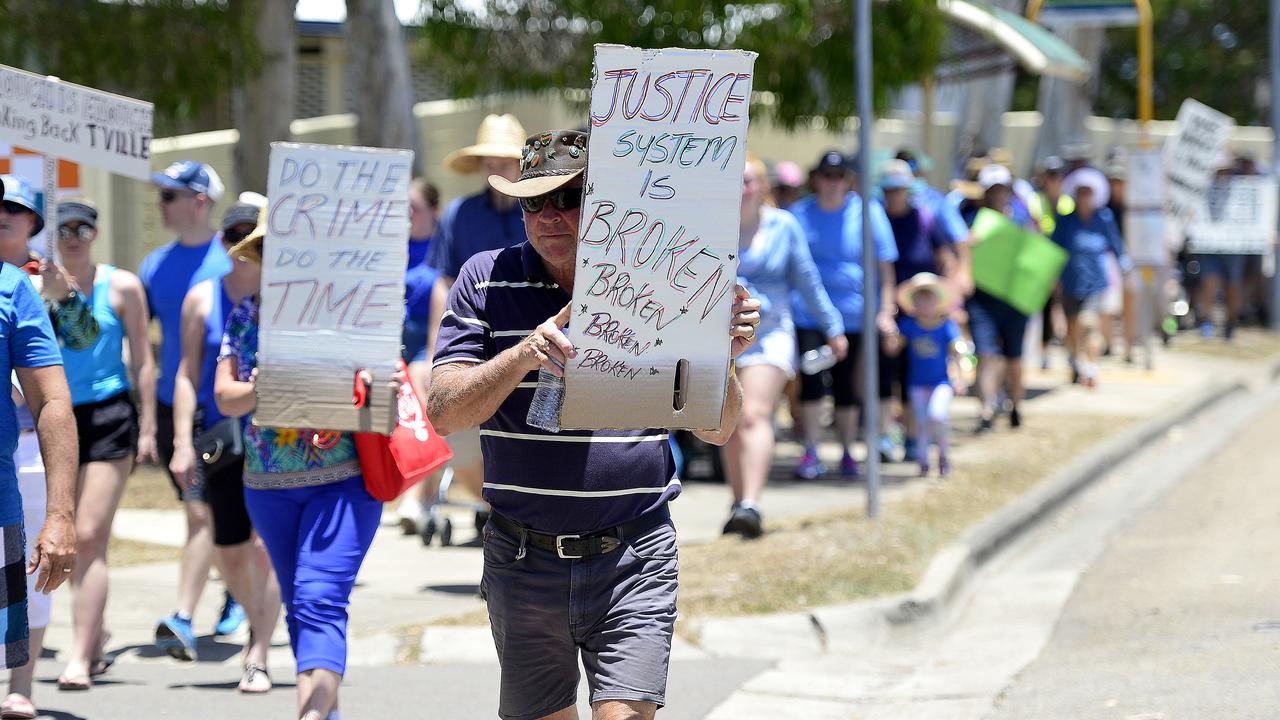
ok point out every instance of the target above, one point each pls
(775, 261)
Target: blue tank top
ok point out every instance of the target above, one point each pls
(98, 372)
(215, 324)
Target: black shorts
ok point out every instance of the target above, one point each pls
(844, 378)
(224, 491)
(108, 429)
(164, 447)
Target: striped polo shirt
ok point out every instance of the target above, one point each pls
(573, 481)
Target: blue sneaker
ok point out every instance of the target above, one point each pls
(810, 467)
(174, 636)
(231, 619)
(1206, 330)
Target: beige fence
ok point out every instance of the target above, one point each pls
(131, 225)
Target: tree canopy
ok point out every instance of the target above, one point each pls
(806, 46)
(1212, 50)
(178, 54)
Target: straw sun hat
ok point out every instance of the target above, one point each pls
(940, 288)
(499, 136)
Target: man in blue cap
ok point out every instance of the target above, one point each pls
(188, 191)
(30, 352)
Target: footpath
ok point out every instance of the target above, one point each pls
(411, 657)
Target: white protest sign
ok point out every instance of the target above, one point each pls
(69, 121)
(1144, 217)
(332, 284)
(1190, 157)
(1241, 218)
(658, 242)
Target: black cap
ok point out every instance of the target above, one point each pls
(77, 210)
(831, 159)
(240, 213)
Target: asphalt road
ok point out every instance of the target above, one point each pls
(446, 692)
(1180, 615)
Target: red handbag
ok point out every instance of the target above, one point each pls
(393, 463)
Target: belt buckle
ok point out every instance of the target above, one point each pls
(560, 547)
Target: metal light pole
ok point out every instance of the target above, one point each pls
(1275, 146)
(870, 265)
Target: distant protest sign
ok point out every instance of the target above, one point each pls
(332, 285)
(1240, 218)
(1190, 159)
(1144, 216)
(76, 123)
(658, 242)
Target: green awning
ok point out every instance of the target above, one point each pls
(1031, 46)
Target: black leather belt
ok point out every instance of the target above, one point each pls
(575, 546)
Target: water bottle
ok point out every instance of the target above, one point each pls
(544, 411)
(815, 361)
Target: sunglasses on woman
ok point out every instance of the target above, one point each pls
(562, 199)
(82, 232)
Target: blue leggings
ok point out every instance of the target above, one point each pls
(317, 538)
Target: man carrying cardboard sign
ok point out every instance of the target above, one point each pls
(580, 515)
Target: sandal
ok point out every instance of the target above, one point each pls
(100, 666)
(66, 684)
(17, 707)
(249, 678)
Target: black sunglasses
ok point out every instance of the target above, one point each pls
(562, 199)
(231, 237)
(168, 196)
(14, 208)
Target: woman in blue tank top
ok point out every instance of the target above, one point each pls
(111, 433)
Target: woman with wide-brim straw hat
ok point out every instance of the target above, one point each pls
(477, 223)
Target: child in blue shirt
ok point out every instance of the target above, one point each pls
(929, 337)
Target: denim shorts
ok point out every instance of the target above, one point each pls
(617, 610)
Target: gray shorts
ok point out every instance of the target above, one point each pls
(617, 609)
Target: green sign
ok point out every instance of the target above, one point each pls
(1013, 264)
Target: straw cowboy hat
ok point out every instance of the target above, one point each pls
(922, 282)
(250, 248)
(499, 136)
(548, 161)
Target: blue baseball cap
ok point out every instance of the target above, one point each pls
(190, 175)
(20, 192)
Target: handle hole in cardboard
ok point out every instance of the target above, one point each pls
(680, 395)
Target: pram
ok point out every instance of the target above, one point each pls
(438, 523)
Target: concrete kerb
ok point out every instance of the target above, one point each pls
(865, 623)
(953, 566)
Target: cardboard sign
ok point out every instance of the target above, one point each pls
(1015, 265)
(1144, 217)
(658, 242)
(1240, 220)
(1190, 157)
(332, 285)
(74, 122)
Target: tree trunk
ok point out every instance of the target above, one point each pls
(380, 73)
(1065, 105)
(263, 106)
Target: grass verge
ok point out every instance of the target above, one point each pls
(121, 552)
(149, 489)
(841, 557)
